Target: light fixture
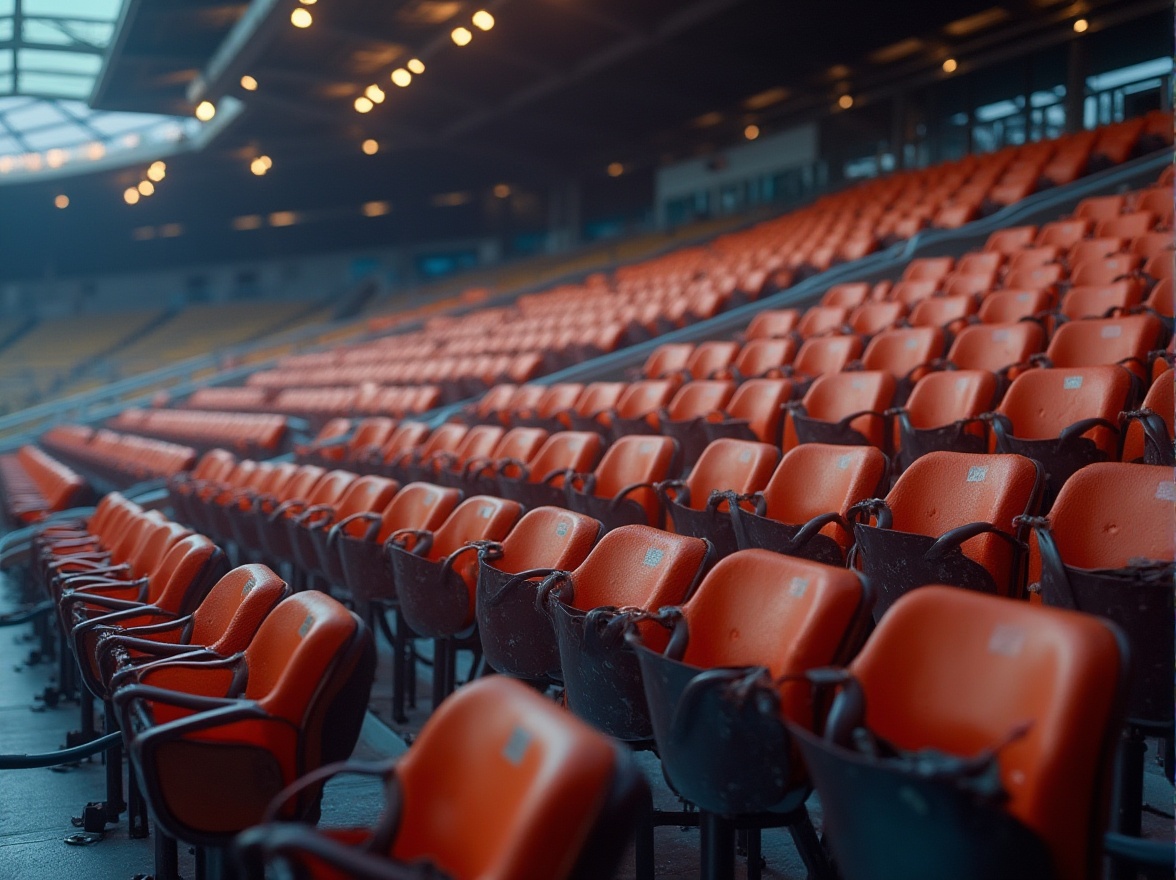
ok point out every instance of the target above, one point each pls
(1081, 25)
(131, 195)
(370, 147)
(615, 169)
(375, 209)
(375, 94)
(249, 221)
(461, 36)
(301, 18)
(61, 202)
(156, 171)
(171, 230)
(269, 163)
(845, 102)
(501, 191)
(205, 110)
(401, 77)
(95, 151)
(363, 104)
(248, 83)
(308, 2)
(751, 132)
(415, 65)
(261, 165)
(283, 218)
(55, 158)
(950, 65)
(146, 188)
(483, 20)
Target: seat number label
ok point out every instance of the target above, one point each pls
(1071, 383)
(977, 473)
(1006, 640)
(653, 557)
(1112, 332)
(1166, 491)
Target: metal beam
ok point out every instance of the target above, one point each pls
(243, 45)
(122, 30)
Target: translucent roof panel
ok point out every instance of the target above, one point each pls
(52, 53)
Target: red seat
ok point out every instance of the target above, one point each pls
(620, 491)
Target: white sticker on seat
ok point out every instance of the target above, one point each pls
(486, 511)
(977, 473)
(653, 557)
(430, 497)
(1166, 491)
(1006, 640)
(1071, 383)
(562, 527)
(1022, 297)
(961, 385)
(1114, 331)
(306, 625)
(516, 746)
(843, 462)
(857, 384)
(797, 587)
(1000, 335)
(910, 343)
(745, 456)
(645, 448)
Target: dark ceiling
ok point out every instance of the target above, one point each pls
(556, 91)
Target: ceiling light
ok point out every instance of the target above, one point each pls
(146, 187)
(260, 165)
(55, 158)
(760, 100)
(283, 218)
(248, 83)
(205, 110)
(363, 104)
(461, 36)
(1081, 25)
(375, 209)
(156, 171)
(502, 191)
(845, 102)
(751, 132)
(375, 94)
(95, 150)
(308, 2)
(301, 18)
(401, 77)
(615, 169)
(269, 163)
(171, 230)
(61, 201)
(249, 221)
(143, 233)
(131, 196)
(370, 147)
(483, 20)
(950, 65)
(416, 66)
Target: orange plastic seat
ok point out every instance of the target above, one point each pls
(698, 505)
(498, 757)
(826, 354)
(849, 295)
(597, 398)
(1149, 431)
(1130, 225)
(1009, 241)
(311, 527)
(710, 358)
(539, 482)
(842, 408)
(620, 491)
(1099, 208)
(913, 291)
(874, 317)
(632, 571)
(1109, 270)
(291, 702)
(763, 357)
(1038, 687)
(1006, 306)
(756, 618)
(949, 520)
(996, 348)
(754, 412)
(1125, 340)
(667, 360)
(802, 510)
(943, 412)
(1099, 300)
(772, 324)
(905, 353)
(928, 269)
(1063, 233)
(637, 410)
(1064, 418)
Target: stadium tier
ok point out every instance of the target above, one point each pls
(815, 521)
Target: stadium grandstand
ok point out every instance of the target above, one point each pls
(576, 439)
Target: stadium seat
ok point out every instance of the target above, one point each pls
(1149, 432)
(825, 354)
(637, 410)
(948, 520)
(310, 528)
(872, 318)
(497, 757)
(634, 571)
(620, 491)
(802, 510)
(762, 358)
(772, 324)
(754, 412)
(698, 505)
(715, 697)
(1002, 349)
(539, 482)
(1125, 340)
(1012, 781)
(515, 632)
(1063, 418)
(943, 412)
(842, 408)
(684, 418)
(1007, 306)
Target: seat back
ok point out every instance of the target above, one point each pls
(874, 317)
(772, 324)
(330, 488)
(598, 397)
(1160, 400)
(667, 359)
(1097, 300)
(827, 354)
(710, 357)
(928, 268)
(1124, 340)
(645, 398)
(819, 478)
(417, 506)
(481, 518)
(370, 432)
(941, 311)
(407, 436)
(636, 459)
(479, 442)
(761, 403)
(760, 355)
(301, 482)
(445, 438)
(1130, 225)
(849, 295)
(637, 566)
(149, 555)
(740, 466)
(821, 320)
(949, 396)
(495, 401)
(520, 444)
(696, 399)
(834, 396)
(279, 475)
(365, 494)
(1063, 233)
(1040, 403)
(188, 571)
(214, 465)
(995, 347)
(577, 451)
(548, 537)
(957, 671)
(1007, 306)
(229, 616)
(941, 491)
(902, 352)
(557, 398)
(500, 760)
(332, 429)
(1010, 240)
(1100, 207)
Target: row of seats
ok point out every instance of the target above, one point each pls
(202, 669)
(33, 485)
(258, 434)
(119, 459)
